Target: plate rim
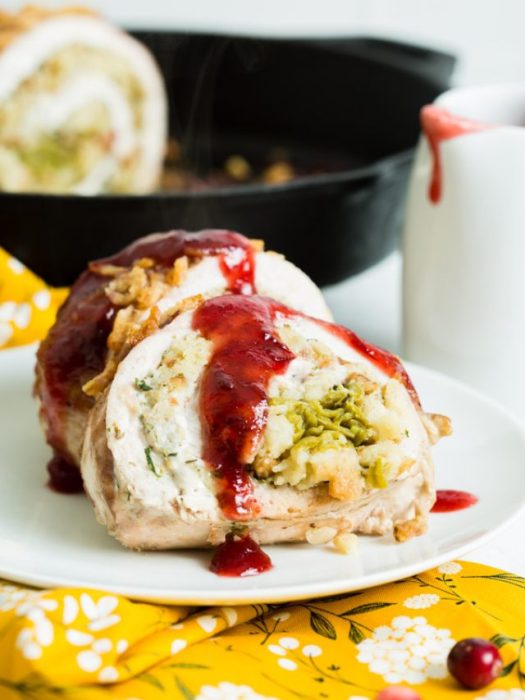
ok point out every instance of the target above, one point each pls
(289, 592)
(249, 597)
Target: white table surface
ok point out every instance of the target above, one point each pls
(370, 304)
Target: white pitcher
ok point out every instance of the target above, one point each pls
(464, 241)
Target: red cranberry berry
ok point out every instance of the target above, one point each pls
(398, 692)
(474, 663)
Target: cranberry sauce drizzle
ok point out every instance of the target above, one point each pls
(236, 254)
(239, 556)
(233, 400)
(63, 477)
(385, 361)
(247, 353)
(439, 125)
(74, 351)
(75, 348)
(448, 501)
(237, 257)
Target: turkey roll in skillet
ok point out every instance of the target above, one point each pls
(82, 105)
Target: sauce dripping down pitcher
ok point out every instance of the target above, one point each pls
(464, 241)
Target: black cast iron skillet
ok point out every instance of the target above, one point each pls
(351, 103)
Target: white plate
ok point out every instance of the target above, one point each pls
(48, 539)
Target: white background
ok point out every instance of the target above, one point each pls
(489, 34)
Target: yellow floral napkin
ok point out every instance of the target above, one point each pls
(27, 305)
(86, 645)
(90, 645)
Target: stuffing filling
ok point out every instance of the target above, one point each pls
(328, 423)
(37, 158)
(167, 399)
(334, 426)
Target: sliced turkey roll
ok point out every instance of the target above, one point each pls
(245, 413)
(82, 105)
(119, 300)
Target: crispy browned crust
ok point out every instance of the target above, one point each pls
(128, 330)
(136, 289)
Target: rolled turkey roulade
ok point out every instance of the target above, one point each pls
(244, 413)
(120, 299)
(82, 105)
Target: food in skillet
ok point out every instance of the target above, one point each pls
(244, 415)
(82, 105)
(83, 110)
(276, 166)
(119, 300)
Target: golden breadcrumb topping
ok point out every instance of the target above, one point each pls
(437, 426)
(411, 528)
(136, 289)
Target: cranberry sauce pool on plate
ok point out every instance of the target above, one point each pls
(244, 421)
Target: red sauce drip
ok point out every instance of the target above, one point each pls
(63, 477)
(76, 347)
(233, 398)
(235, 251)
(247, 353)
(238, 267)
(239, 557)
(439, 125)
(448, 500)
(385, 361)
